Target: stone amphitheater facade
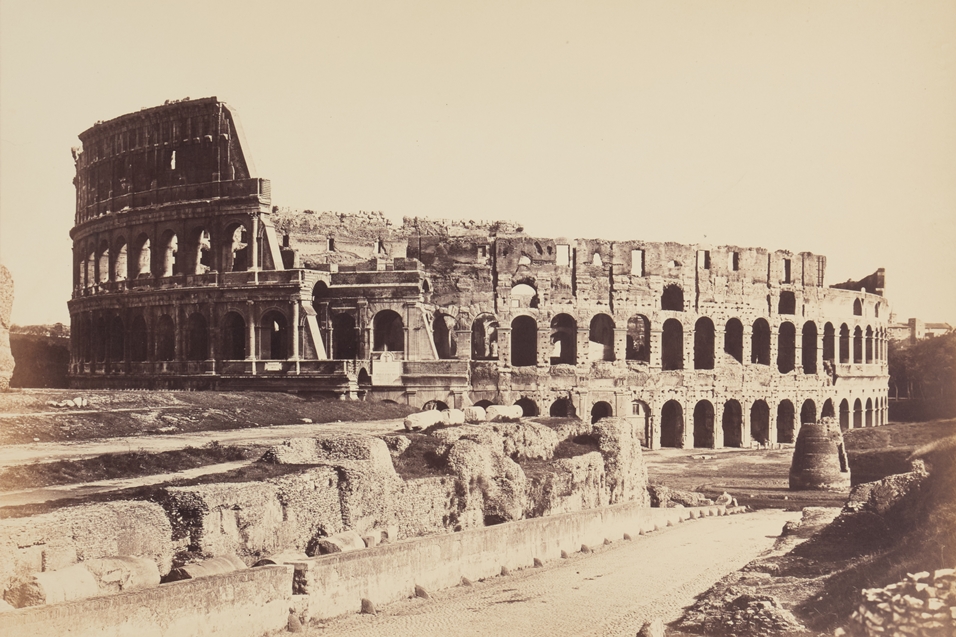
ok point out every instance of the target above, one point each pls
(186, 276)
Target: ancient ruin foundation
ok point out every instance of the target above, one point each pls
(186, 276)
(819, 458)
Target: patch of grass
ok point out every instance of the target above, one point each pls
(120, 465)
(423, 459)
(576, 446)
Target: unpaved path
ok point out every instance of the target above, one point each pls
(609, 593)
(11, 455)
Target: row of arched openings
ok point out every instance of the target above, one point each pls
(104, 262)
(731, 422)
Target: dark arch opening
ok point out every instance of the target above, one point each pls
(785, 414)
(734, 339)
(100, 338)
(673, 298)
(600, 410)
(364, 379)
(562, 408)
(827, 410)
(388, 332)
(704, 425)
(869, 344)
(844, 415)
(197, 338)
(236, 250)
(857, 414)
(760, 343)
(142, 264)
(484, 338)
(704, 343)
(760, 422)
(433, 405)
(274, 336)
(169, 251)
(857, 345)
(344, 337)
(601, 338)
(233, 337)
(564, 332)
(484, 404)
(829, 342)
(528, 407)
(117, 340)
(672, 345)
(844, 344)
(808, 413)
(857, 307)
(808, 352)
(139, 339)
(638, 338)
(672, 425)
(165, 338)
(869, 413)
(524, 341)
(320, 293)
(732, 424)
(786, 347)
(443, 333)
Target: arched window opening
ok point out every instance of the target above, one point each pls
(704, 425)
(760, 343)
(564, 332)
(639, 339)
(704, 343)
(139, 339)
(484, 404)
(165, 339)
(601, 338)
(197, 338)
(732, 424)
(673, 298)
(857, 307)
(844, 415)
(844, 344)
(734, 339)
(827, 411)
(237, 257)
(344, 337)
(524, 341)
(786, 348)
(528, 407)
(562, 408)
(857, 414)
(672, 425)
(484, 338)
(364, 378)
(672, 345)
(829, 342)
(103, 264)
(143, 255)
(200, 259)
(524, 295)
(785, 414)
(808, 413)
(869, 344)
(233, 337)
(787, 303)
(600, 410)
(808, 352)
(91, 269)
(320, 293)
(170, 248)
(857, 345)
(273, 336)
(120, 262)
(760, 422)
(117, 340)
(443, 333)
(869, 413)
(100, 338)
(388, 332)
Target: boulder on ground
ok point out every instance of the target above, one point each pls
(423, 420)
(880, 496)
(51, 587)
(453, 417)
(504, 412)
(665, 497)
(338, 543)
(475, 414)
(123, 573)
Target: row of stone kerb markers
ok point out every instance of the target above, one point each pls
(122, 595)
(471, 414)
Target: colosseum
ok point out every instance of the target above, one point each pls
(186, 276)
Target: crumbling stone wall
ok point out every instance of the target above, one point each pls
(6, 306)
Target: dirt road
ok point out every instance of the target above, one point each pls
(609, 593)
(11, 455)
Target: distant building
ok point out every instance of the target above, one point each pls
(185, 276)
(915, 330)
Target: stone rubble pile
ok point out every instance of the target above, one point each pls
(922, 605)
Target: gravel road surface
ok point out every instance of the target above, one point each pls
(611, 592)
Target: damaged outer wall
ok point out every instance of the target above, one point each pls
(432, 279)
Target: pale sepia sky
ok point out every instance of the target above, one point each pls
(826, 126)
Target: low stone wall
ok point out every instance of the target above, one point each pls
(247, 602)
(336, 584)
